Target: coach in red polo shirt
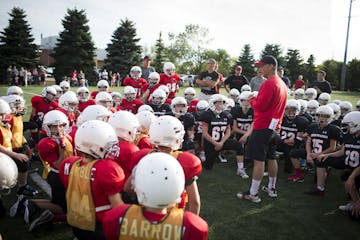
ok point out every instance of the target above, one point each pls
(269, 106)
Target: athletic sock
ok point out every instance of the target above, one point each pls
(254, 189)
(240, 165)
(298, 171)
(272, 183)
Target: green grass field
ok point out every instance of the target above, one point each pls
(293, 215)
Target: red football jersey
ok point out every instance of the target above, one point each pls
(41, 107)
(144, 142)
(192, 106)
(171, 82)
(107, 178)
(71, 115)
(83, 105)
(194, 227)
(131, 106)
(49, 150)
(140, 85)
(122, 157)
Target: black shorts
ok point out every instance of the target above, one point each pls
(22, 166)
(346, 174)
(335, 162)
(85, 235)
(188, 144)
(262, 145)
(298, 153)
(58, 194)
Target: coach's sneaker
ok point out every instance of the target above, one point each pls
(222, 158)
(242, 173)
(45, 217)
(346, 207)
(270, 191)
(27, 190)
(249, 197)
(296, 178)
(315, 191)
(18, 206)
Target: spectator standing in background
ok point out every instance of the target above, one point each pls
(146, 69)
(256, 81)
(237, 80)
(208, 80)
(299, 83)
(321, 85)
(280, 73)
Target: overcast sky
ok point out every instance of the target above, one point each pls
(313, 26)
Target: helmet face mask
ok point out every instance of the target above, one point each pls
(351, 123)
(291, 112)
(324, 115)
(130, 97)
(153, 81)
(55, 124)
(189, 97)
(202, 106)
(179, 106)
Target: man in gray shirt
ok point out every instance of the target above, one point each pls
(146, 69)
(256, 81)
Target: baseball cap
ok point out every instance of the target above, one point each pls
(267, 59)
(147, 57)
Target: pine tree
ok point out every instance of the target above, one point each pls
(123, 52)
(75, 49)
(309, 69)
(159, 54)
(274, 50)
(16, 42)
(294, 63)
(246, 60)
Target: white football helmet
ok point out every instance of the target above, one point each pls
(17, 104)
(292, 108)
(14, 90)
(312, 106)
(245, 87)
(189, 94)
(324, 115)
(165, 89)
(212, 103)
(299, 93)
(154, 78)
(229, 104)
(167, 131)
(125, 125)
(202, 106)
(310, 93)
(48, 93)
(345, 107)
(158, 97)
(4, 107)
(169, 68)
(352, 122)
(83, 94)
(130, 93)
(336, 110)
(59, 91)
(55, 118)
(337, 101)
(93, 112)
(68, 101)
(135, 72)
(234, 94)
(145, 107)
(179, 106)
(8, 172)
(65, 86)
(116, 96)
(303, 106)
(102, 85)
(244, 99)
(159, 180)
(324, 98)
(95, 138)
(145, 119)
(104, 99)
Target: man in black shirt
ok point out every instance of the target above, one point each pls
(321, 85)
(236, 81)
(208, 80)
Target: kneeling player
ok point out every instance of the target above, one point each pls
(156, 213)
